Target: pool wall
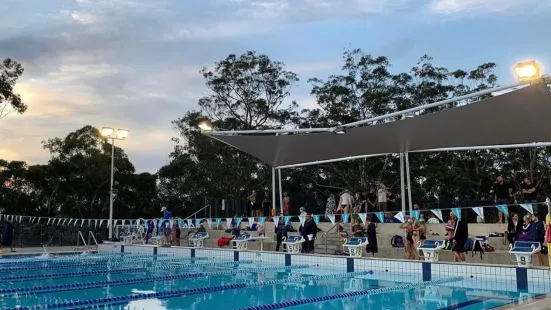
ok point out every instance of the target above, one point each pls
(477, 276)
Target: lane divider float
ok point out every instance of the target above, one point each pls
(315, 300)
(89, 285)
(111, 301)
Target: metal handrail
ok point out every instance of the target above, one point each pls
(203, 208)
(325, 235)
(81, 237)
(91, 234)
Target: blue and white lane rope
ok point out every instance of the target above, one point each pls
(68, 274)
(89, 285)
(390, 289)
(94, 303)
(81, 259)
(17, 269)
(167, 263)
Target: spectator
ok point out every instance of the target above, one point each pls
(529, 194)
(357, 229)
(286, 204)
(514, 228)
(252, 202)
(390, 201)
(417, 207)
(504, 193)
(450, 227)
(419, 234)
(459, 240)
(539, 235)
(548, 232)
(281, 232)
(345, 202)
(235, 227)
(528, 233)
(371, 232)
(371, 201)
(266, 204)
(309, 232)
(382, 193)
(7, 236)
(331, 205)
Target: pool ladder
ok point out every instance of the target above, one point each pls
(86, 246)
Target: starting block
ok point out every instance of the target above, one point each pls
(240, 242)
(198, 239)
(293, 244)
(430, 249)
(355, 246)
(524, 252)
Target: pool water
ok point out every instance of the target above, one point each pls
(135, 281)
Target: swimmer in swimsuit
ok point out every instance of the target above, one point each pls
(408, 227)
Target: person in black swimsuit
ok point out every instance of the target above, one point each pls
(408, 227)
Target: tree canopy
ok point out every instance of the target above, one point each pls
(252, 91)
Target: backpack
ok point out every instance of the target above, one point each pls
(397, 241)
(477, 247)
(469, 245)
(221, 242)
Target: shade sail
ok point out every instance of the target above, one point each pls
(520, 116)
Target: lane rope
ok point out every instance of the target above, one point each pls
(96, 284)
(390, 289)
(94, 303)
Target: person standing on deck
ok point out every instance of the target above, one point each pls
(167, 215)
(548, 230)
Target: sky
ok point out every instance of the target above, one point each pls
(135, 63)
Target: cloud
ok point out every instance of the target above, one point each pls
(448, 7)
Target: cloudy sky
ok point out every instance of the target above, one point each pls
(135, 63)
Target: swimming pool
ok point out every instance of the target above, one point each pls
(140, 277)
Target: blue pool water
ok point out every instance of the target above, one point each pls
(135, 281)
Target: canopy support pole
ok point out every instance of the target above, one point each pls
(273, 190)
(280, 192)
(402, 185)
(408, 180)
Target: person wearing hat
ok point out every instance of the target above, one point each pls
(167, 215)
(303, 211)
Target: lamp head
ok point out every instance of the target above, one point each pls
(205, 126)
(527, 71)
(122, 133)
(107, 131)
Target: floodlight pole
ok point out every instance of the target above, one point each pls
(408, 182)
(402, 185)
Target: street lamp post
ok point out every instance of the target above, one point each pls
(112, 134)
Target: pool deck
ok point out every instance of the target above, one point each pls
(537, 303)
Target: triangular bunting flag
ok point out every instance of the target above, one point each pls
(238, 221)
(380, 216)
(218, 222)
(70, 220)
(345, 217)
(316, 219)
(228, 222)
(479, 211)
(189, 223)
(261, 220)
(457, 212)
(528, 207)
(100, 222)
(416, 214)
(65, 220)
(363, 217)
(49, 219)
(287, 220)
(302, 219)
(209, 222)
(438, 214)
(276, 220)
(399, 216)
(115, 223)
(251, 221)
(198, 222)
(331, 217)
(504, 209)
